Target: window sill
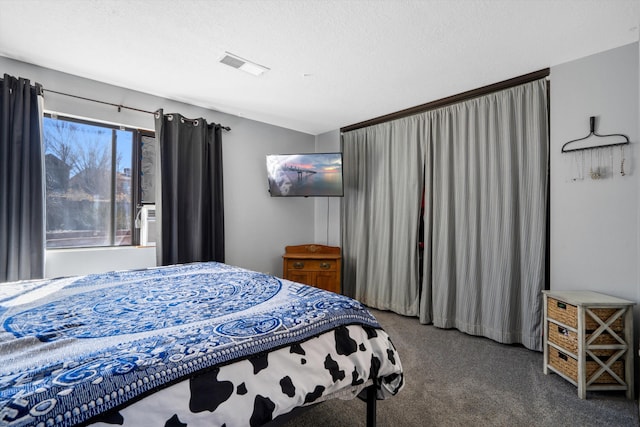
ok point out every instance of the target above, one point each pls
(79, 261)
(98, 248)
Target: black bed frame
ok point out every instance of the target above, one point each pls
(371, 405)
(370, 393)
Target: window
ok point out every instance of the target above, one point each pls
(92, 186)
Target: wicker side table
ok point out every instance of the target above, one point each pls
(588, 338)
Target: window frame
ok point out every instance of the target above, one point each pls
(136, 165)
(136, 191)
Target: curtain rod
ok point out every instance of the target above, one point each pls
(464, 96)
(119, 106)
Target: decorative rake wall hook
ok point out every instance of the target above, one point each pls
(592, 125)
(597, 153)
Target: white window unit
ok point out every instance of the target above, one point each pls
(148, 225)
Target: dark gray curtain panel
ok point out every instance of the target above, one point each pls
(482, 166)
(189, 201)
(22, 219)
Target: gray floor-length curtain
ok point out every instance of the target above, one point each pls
(189, 194)
(384, 170)
(22, 219)
(485, 165)
(488, 202)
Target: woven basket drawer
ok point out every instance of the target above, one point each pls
(568, 340)
(567, 365)
(564, 313)
(567, 314)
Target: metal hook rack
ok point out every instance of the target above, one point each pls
(592, 126)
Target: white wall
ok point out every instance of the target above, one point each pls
(68, 262)
(257, 227)
(595, 226)
(594, 223)
(327, 209)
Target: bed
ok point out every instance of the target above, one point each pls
(202, 344)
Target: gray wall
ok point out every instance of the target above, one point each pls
(327, 209)
(595, 228)
(594, 223)
(257, 226)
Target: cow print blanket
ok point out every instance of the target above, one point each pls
(252, 392)
(195, 344)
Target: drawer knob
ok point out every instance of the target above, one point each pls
(298, 264)
(325, 265)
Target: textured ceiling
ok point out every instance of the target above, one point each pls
(333, 62)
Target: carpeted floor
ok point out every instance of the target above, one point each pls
(454, 379)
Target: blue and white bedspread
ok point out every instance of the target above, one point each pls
(194, 344)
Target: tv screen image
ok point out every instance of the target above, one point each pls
(306, 174)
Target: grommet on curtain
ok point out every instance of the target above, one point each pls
(170, 117)
(194, 122)
(156, 115)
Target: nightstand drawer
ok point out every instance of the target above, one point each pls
(567, 314)
(564, 313)
(567, 365)
(568, 339)
(312, 265)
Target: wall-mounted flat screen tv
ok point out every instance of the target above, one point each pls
(305, 175)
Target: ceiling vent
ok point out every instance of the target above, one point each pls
(243, 64)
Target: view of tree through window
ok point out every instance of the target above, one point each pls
(89, 190)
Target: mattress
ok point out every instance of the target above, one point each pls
(194, 344)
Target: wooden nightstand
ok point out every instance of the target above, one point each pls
(588, 339)
(315, 265)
